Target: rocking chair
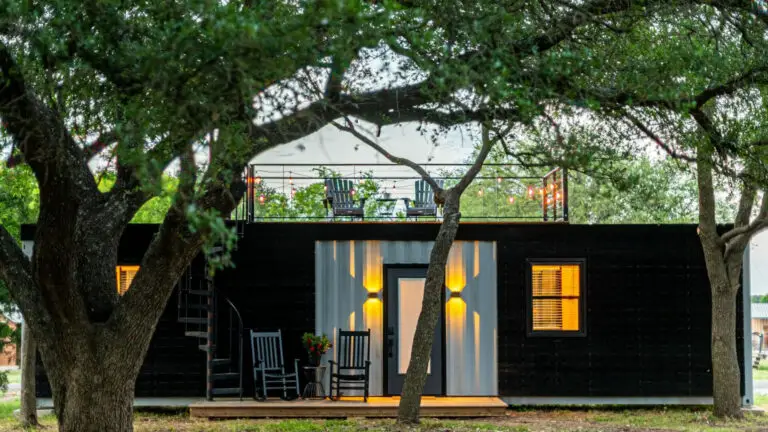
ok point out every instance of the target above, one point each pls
(352, 372)
(268, 368)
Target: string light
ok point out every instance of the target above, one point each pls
(480, 192)
(498, 179)
(293, 192)
(530, 191)
(511, 199)
(262, 198)
(351, 191)
(258, 180)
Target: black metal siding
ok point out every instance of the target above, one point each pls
(648, 306)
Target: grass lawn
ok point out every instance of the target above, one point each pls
(525, 420)
(761, 373)
(14, 376)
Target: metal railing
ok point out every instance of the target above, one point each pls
(298, 193)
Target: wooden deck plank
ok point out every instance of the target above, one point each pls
(350, 407)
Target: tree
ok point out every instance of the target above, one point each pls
(146, 85)
(639, 190)
(424, 335)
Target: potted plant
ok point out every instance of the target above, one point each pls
(316, 346)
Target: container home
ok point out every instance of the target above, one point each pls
(533, 312)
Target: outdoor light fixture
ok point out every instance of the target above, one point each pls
(455, 294)
(373, 295)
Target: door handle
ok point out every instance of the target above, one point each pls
(390, 341)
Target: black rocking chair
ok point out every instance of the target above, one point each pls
(423, 202)
(268, 368)
(340, 194)
(352, 372)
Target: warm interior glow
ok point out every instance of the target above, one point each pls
(556, 294)
(476, 319)
(125, 275)
(410, 297)
(456, 324)
(352, 258)
(455, 271)
(373, 267)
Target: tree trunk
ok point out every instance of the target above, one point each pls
(726, 377)
(28, 412)
(95, 397)
(416, 375)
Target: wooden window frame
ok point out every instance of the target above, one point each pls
(582, 263)
(135, 268)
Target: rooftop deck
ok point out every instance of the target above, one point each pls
(393, 193)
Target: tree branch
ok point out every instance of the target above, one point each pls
(650, 134)
(470, 175)
(16, 273)
(760, 222)
(398, 160)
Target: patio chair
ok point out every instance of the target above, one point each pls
(340, 195)
(423, 202)
(268, 367)
(352, 371)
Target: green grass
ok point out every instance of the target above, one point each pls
(615, 419)
(14, 376)
(761, 373)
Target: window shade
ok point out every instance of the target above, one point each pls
(555, 297)
(125, 275)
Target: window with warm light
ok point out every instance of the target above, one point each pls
(556, 302)
(125, 275)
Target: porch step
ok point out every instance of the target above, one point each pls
(221, 362)
(197, 334)
(193, 320)
(225, 376)
(225, 391)
(200, 292)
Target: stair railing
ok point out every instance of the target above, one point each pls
(234, 313)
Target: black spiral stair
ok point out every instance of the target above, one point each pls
(198, 311)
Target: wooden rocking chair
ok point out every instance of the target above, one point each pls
(268, 368)
(340, 195)
(352, 372)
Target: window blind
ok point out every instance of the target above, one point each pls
(555, 297)
(125, 275)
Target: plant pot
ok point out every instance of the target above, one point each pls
(314, 361)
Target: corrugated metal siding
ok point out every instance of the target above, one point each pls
(470, 337)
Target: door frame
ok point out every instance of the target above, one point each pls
(385, 357)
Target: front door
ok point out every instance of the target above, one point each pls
(404, 293)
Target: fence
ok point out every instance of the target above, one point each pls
(389, 192)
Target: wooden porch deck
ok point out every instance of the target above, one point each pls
(348, 407)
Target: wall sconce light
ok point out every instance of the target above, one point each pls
(455, 294)
(374, 295)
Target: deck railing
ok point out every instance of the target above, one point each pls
(299, 193)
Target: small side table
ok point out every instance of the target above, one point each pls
(314, 388)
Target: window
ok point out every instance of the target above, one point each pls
(556, 305)
(125, 275)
